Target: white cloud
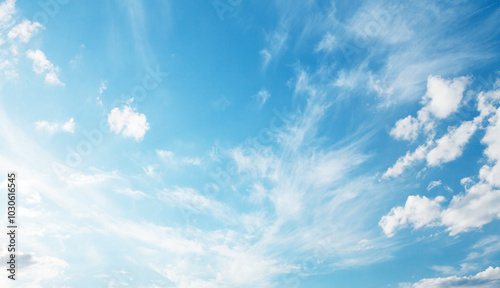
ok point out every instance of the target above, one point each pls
(7, 9)
(451, 145)
(52, 128)
(79, 179)
(327, 44)
(418, 211)
(473, 209)
(41, 64)
(128, 122)
(262, 97)
(406, 129)
(406, 161)
(489, 278)
(24, 31)
(492, 137)
(434, 184)
(443, 96)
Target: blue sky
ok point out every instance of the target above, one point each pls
(234, 143)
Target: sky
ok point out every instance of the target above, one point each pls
(235, 143)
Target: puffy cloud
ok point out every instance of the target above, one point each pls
(406, 129)
(41, 64)
(24, 30)
(477, 207)
(443, 96)
(418, 211)
(68, 127)
(492, 137)
(489, 278)
(451, 145)
(7, 9)
(128, 122)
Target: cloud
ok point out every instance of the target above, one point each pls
(79, 179)
(262, 97)
(103, 86)
(450, 146)
(418, 211)
(172, 161)
(489, 278)
(406, 161)
(52, 128)
(24, 31)
(275, 44)
(7, 9)
(406, 129)
(434, 184)
(327, 44)
(479, 204)
(41, 65)
(443, 96)
(473, 209)
(128, 122)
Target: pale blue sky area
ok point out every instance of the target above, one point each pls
(235, 143)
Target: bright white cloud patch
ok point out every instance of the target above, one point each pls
(42, 65)
(24, 31)
(51, 128)
(406, 129)
(7, 9)
(451, 145)
(418, 211)
(128, 122)
(443, 96)
(489, 278)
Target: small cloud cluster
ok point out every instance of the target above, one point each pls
(488, 278)
(480, 204)
(128, 122)
(42, 65)
(442, 99)
(52, 128)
